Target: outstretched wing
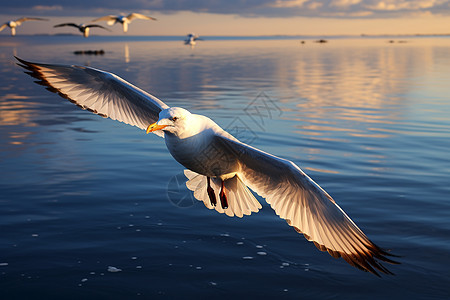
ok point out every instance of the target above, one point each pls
(111, 20)
(98, 91)
(3, 26)
(305, 205)
(67, 24)
(139, 16)
(99, 26)
(21, 20)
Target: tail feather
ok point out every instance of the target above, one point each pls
(240, 200)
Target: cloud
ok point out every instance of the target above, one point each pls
(354, 14)
(314, 5)
(254, 8)
(344, 3)
(48, 8)
(288, 3)
(404, 5)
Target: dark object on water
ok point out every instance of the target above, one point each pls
(89, 52)
(401, 41)
(321, 41)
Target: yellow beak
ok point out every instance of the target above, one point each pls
(154, 127)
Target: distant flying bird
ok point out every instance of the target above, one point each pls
(18, 22)
(124, 20)
(82, 27)
(221, 169)
(191, 39)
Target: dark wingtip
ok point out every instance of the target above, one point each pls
(25, 64)
(22, 63)
(367, 262)
(388, 253)
(20, 60)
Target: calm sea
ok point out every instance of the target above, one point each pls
(94, 209)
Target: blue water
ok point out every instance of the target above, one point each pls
(366, 119)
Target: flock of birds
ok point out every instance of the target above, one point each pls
(85, 28)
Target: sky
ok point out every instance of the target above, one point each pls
(239, 17)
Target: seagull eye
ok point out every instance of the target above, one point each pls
(174, 118)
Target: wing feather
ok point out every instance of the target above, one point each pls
(100, 92)
(96, 25)
(306, 206)
(21, 20)
(106, 18)
(67, 24)
(139, 16)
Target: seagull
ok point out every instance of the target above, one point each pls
(82, 27)
(124, 20)
(221, 170)
(191, 39)
(18, 22)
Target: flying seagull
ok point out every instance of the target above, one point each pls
(220, 168)
(124, 20)
(191, 39)
(18, 22)
(82, 27)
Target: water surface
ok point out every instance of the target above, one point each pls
(366, 119)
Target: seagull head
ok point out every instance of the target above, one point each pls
(173, 119)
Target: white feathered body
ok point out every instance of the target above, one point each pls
(196, 148)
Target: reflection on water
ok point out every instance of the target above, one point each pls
(368, 120)
(14, 112)
(127, 53)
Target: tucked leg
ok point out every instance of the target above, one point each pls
(211, 194)
(223, 197)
